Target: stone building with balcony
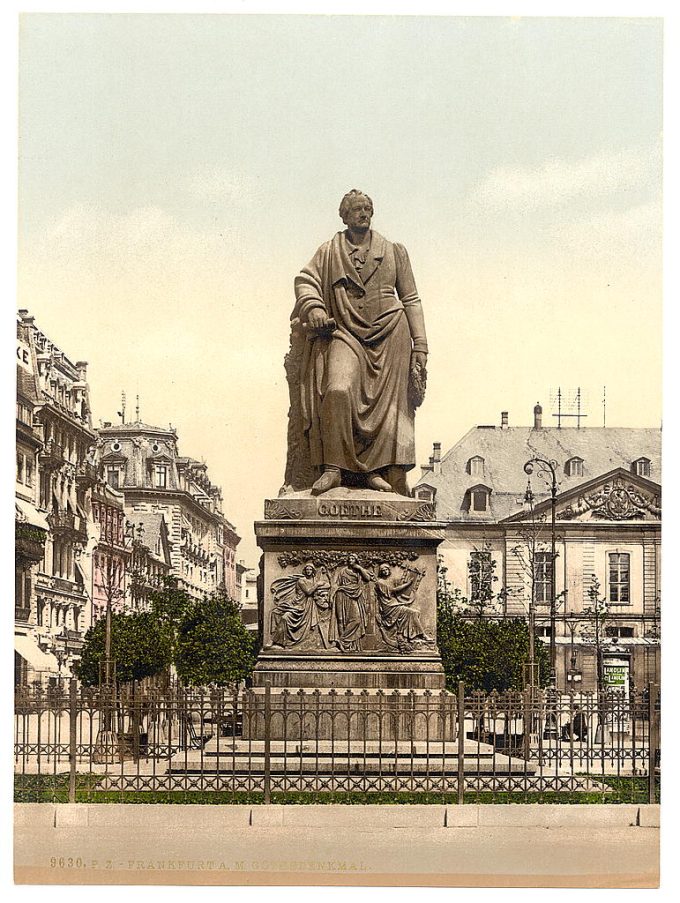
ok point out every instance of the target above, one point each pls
(31, 527)
(607, 535)
(62, 475)
(143, 462)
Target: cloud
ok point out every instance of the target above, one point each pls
(557, 182)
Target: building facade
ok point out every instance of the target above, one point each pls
(110, 557)
(58, 474)
(144, 463)
(607, 538)
(31, 526)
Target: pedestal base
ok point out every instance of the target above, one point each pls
(347, 603)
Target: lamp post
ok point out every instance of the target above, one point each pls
(548, 470)
(529, 499)
(572, 621)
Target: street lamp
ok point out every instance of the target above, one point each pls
(548, 470)
(572, 621)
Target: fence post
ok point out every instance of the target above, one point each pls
(653, 742)
(73, 724)
(461, 742)
(267, 741)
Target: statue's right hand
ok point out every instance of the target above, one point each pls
(317, 318)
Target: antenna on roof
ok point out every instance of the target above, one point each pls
(604, 406)
(121, 413)
(137, 410)
(571, 402)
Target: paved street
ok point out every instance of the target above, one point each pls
(437, 845)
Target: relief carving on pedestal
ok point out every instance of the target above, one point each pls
(349, 602)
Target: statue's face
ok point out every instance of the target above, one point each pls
(384, 571)
(359, 214)
(308, 570)
(352, 559)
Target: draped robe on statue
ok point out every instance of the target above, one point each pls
(295, 613)
(349, 617)
(399, 623)
(355, 410)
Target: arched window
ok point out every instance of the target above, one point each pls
(478, 499)
(475, 466)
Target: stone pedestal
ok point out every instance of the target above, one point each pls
(347, 596)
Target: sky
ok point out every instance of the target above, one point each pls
(176, 172)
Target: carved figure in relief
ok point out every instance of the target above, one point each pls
(301, 604)
(399, 623)
(357, 364)
(349, 611)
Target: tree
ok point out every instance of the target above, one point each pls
(140, 646)
(213, 645)
(593, 632)
(486, 653)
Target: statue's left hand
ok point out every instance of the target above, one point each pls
(419, 360)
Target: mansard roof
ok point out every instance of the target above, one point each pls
(155, 529)
(506, 450)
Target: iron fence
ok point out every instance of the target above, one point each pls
(261, 745)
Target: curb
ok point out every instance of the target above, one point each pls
(361, 817)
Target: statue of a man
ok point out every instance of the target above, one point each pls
(357, 366)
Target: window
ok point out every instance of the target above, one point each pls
(475, 466)
(480, 498)
(619, 577)
(620, 632)
(641, 467)
(20, 467)
(29, 472)
(574, 467)
(543, 631)
(24, 413)
(113, 477)
(423, 493)
(481, 573)
(543, 572)
(161, 476)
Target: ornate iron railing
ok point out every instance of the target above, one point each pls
(176, 744)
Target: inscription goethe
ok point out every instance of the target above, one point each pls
(350, 509)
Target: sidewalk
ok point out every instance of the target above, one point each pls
(514, 845)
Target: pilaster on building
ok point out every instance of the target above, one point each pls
(607, 534)
(161, 485)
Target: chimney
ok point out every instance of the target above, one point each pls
(436, 459)
(538, 416)
(504, 420)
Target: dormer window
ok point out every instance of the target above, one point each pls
(641, 467)
(425, 493)
(574, 467)
(475, 466)
(479, 499)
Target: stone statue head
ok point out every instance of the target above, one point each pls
(352, 559)
(346, 203)
(308, 570)
(384, 570)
